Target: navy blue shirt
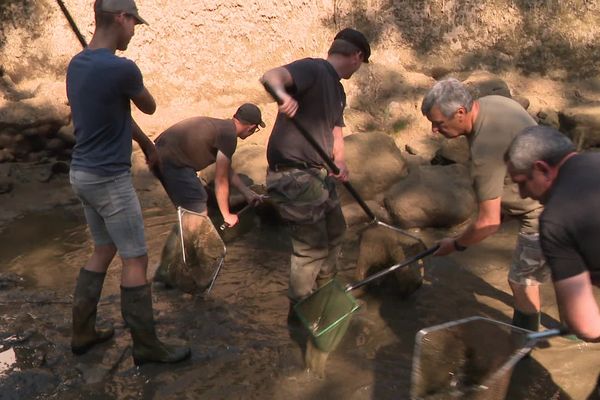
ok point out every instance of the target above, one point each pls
(100, 86)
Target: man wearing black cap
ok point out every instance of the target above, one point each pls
(297, 180)
(192, 145)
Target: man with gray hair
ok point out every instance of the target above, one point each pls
(489, 124)
(543, 162)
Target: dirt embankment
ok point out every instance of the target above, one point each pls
(206, 57)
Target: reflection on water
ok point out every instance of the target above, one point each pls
(37, 247)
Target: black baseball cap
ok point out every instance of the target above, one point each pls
(250, 114)
(357, 39)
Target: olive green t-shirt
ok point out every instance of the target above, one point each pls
(194, 142)
(498, 122)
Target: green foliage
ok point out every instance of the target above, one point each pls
(400, 124)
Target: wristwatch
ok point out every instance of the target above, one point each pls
(458, 247)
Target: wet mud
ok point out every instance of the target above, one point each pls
(241, 345)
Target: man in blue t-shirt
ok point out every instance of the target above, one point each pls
(100, 87)
(297, 180)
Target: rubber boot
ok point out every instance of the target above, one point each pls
(136, 307)
(292, 319)
(170, 251)
(85, 305)
(531, 322)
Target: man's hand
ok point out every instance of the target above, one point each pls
(446, 247)
(254, 198)
(289, 106)
(230, 220)
(152, 158)
(344, 174)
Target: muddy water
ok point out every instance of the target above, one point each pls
(242, 347)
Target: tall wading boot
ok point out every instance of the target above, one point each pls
(292, 318)
(531, 322)
(85, 305)
(136, 307)
(170, 252)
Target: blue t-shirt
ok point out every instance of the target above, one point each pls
(100, 86)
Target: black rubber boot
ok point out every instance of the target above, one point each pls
(85, 305)
(531, 322)
(171, 250)
(136, 307)
(292, 319)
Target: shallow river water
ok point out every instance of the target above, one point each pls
(241, 345)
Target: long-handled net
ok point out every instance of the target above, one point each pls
(326, 312)
(202, 255)
(472, 358)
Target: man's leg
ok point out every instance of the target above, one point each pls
(528, 270)
(90, 189)
(186, 191)
(85, 301)
(527, 306)
(122, 216)
(336, 227)
(310, 251)
(171, 253)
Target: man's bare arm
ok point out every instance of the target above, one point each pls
(279, 78)
(578, 306)
(486, 224)
(145, 102)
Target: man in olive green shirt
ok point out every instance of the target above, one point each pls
(489, 124)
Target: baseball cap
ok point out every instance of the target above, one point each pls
(250, 114)
(357, 39)
(126, 6)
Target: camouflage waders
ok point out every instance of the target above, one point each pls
(307, 200)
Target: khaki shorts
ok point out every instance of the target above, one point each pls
(528, 266)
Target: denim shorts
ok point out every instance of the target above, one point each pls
(112, 211)
(184, 187)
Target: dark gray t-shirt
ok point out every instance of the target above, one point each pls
(194, 142)
(570, 223)
(322, 100)
(100, 86)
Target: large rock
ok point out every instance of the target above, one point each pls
(483, 83)
(582, 124)
(375, 163)
(354, 214)
(47, 107)
(453, 151)
(251, 161)
(381, 248)
(548, 117)
(432, 196)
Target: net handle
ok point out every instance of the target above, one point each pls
(404, 263)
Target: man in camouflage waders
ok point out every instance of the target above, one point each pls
(297, 181)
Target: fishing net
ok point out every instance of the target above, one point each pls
(326, 314)
(471, 358)
(204, 255)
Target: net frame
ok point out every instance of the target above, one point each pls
(333, 302)
(492, 383)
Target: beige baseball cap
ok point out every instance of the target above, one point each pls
(125, 6)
